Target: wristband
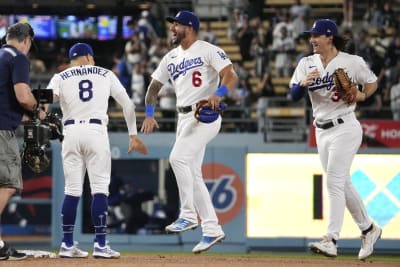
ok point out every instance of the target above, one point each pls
(221, 91)
(150, 111)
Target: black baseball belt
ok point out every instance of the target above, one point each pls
(186, 109)
(72, 121)
(330, 124)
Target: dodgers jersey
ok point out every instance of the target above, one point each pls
(193, 72)
(84, 92)
(326, 103)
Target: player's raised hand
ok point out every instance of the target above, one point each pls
(148, 125)
(311, 76)
(135, 143)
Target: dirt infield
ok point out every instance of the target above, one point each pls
(206, 260)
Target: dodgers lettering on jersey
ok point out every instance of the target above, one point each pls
(181, 68)
(326, 102)
(83, 71)
(193, 72)
(325, 81)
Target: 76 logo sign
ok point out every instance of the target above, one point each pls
(226, 190)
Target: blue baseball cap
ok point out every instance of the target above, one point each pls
(187, 18)
(80, 49)
(324, 27)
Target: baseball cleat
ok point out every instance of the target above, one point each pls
(368, 241)
(72, 252)
(180, 225)
(325, 247)
(104, 252)
(207, 242)
(11, 254)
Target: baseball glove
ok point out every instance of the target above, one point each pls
(344, 86)
(205, 113)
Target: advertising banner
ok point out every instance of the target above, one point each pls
(376, 133)
(286, 198)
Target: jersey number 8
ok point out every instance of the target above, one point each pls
(85, 90)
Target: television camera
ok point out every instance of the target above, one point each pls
(38, 133)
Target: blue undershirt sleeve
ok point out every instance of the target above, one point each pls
(297, 92)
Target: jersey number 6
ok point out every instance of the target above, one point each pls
(196, 80)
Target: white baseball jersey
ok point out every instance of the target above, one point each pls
(194, 73)
(325, 101)
(190, 73)
(337, 145)
(84, 92)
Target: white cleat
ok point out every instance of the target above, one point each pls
(325, 247)
(72, 252)
(368, 241)
(207, 242)
(104, 252)
(181, 225)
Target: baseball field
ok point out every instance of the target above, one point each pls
(211, 259)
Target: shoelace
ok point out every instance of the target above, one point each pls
(182, 223)
(106, 249)
(326, 239)
(207, 239)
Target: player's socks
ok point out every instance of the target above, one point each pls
(367, 230)
(68, 215)
(99, 218)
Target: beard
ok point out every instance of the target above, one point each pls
(178, 38)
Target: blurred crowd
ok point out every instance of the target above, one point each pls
(273, 43)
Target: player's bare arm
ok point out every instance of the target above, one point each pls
(149, 123)
(369, 90)
(152, 92)
(229, 79)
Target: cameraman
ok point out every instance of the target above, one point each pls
(16, 99)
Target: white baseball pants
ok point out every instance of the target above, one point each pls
(186, 160)
(337, 147)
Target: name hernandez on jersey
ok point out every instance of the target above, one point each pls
(84, 93)
(83, 71)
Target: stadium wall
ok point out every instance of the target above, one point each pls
(264, 194)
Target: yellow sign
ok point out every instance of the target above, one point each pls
(280, 200)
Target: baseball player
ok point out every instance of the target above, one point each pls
(338, 132)
(83, 90)
(194, 68)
